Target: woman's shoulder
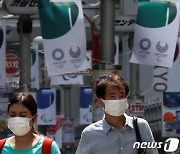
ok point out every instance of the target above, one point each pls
(54, 146)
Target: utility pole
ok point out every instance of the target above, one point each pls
(24, 28)
(107, 16)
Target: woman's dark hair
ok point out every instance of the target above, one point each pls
(25, 99)
(113, 80)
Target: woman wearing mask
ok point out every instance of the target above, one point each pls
(22, 114)
(115, 133)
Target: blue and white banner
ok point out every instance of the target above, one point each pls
(85, 105)
(46, 101)
(156, 32)
(63, 32)
(2, 53)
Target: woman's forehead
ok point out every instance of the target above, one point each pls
(18, 107)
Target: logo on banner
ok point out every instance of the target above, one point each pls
(161, 51)
(45, 119)
(145, 44)
(68, 77)
(75, 53)
(58, 54)
(12, 64)
(160, 48)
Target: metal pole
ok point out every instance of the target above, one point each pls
(107, 16)
(134, 80)
(67, 91)
(24, 28)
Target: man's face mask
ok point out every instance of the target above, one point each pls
(116, 107)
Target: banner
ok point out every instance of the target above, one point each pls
(63, 32)
(46, 102)
(173, 80)
(12, 66)
(156, 32)
(167, 79)
(171, 114)
(2, 53)
(67, 80)
(85, 105)
(68, 134)
(136, 107)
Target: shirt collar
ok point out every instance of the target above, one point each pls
(107, 127)
(129, 120)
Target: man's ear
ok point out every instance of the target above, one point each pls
(100, 102)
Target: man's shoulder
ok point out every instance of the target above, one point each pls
(93, 127)
(142, 122)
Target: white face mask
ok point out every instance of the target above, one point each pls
(116, 107)
(19, 125)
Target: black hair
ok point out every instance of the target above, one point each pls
(26, 100)
(113, 80)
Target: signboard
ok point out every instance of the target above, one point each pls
(171, 114)
(12, 67)
(22, 6)
(122, 23)
(68, 138)
(12, 64)
(136, 107)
